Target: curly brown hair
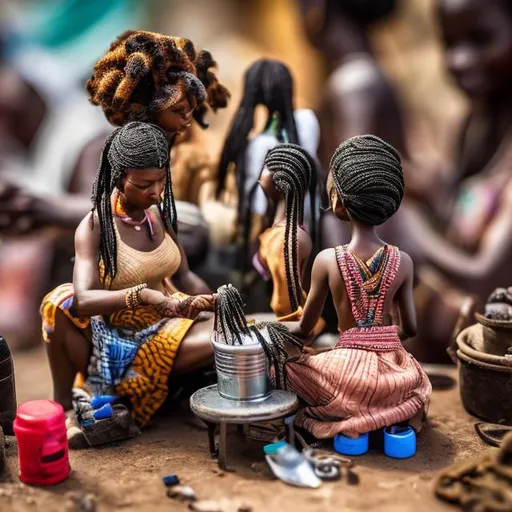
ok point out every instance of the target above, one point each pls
(144, 72)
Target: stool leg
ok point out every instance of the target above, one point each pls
(214, 452)
(222, 447)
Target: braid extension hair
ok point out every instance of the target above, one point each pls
(268, 83)
(231, 327)
(368, 177)
(291, 168)
(136, 146)
(144, 72)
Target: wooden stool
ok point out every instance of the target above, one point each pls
(213, 409)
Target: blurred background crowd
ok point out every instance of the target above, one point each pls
(429, 76)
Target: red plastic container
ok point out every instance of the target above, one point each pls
(40, 429)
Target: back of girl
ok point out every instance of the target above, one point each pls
(368, 380)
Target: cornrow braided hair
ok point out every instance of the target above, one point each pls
(144, 72)
(291, 169)
(367, 174)
(268, 83)
(134, 146)
(231, 327)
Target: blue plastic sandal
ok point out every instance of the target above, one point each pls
(348, 446)
(399, 442)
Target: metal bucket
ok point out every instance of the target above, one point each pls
(242, 371)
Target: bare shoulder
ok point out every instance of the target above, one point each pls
(406, 265)
(325, 258)
(87, 234)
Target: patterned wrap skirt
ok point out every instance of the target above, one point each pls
(132, 351)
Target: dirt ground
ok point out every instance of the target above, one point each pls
(128, 476)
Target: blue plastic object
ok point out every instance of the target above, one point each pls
(100, 400)
(170, 480)
(348, 446)
(399, 442)
(269, 449)
(104, 412)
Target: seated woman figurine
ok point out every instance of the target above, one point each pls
(285, 247)
(118, 324)
(368, 380)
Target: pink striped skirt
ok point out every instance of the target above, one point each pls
(368, 381)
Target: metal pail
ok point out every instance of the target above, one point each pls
(242, 370)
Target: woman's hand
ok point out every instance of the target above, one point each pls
(172, 307)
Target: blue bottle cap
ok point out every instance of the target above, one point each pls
(104, 412)
(348, 446)
(399, 442)
(170, 480)
(100, 400)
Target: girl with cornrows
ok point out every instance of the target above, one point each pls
(368, 380)
(118, 324)
(285, 247)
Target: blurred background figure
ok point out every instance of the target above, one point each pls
(48, 48)
(463, 244)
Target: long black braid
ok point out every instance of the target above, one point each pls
(291, 168)
(133, 146)
(367, 173)
(268, 83)
(231, 327)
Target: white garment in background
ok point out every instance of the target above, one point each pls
(308, 130)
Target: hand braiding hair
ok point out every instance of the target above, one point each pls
(144, 72)
(231, 327)
(367, 174)
(136, 146)
(291, 168)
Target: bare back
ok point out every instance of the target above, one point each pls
(397, 306)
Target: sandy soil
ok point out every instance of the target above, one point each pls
(128, 476)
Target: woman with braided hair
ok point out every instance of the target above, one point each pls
(155, 78)
(119, 324)
(267, 83)
(368, 380)
(285, 247)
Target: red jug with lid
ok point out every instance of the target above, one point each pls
(40, 429)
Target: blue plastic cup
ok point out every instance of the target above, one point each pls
(100, 400)
(104, 412)
(399, 442)
(348, 446)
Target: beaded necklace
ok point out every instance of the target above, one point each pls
(120, 212)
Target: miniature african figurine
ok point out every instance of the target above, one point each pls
(285, 247)
(270, 84)
(368, 380)
(119, 324)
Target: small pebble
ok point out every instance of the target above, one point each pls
(205, 506)
(182, 493)
(245, 507)
(30, 501)
(86, 504)
(170, 480)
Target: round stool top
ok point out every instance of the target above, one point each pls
(210, 406)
